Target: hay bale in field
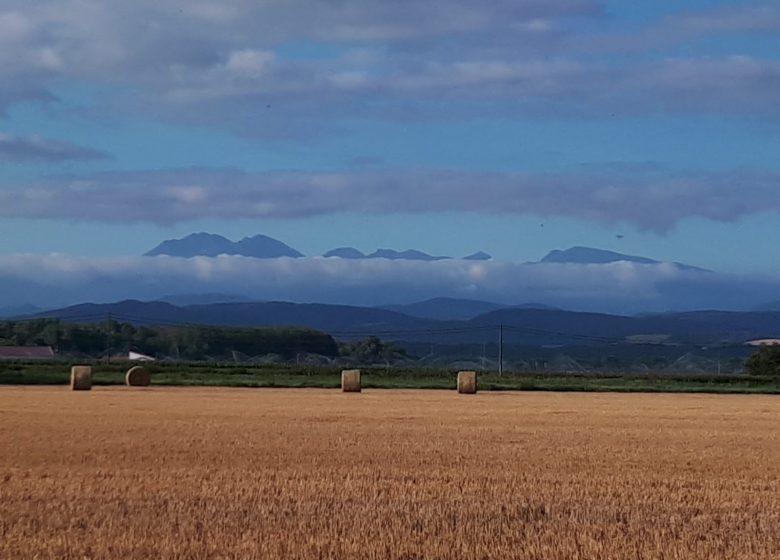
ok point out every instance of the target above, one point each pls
(350, 381)
(81, 378)
(138, 376)
(467, 382)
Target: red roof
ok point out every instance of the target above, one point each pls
(26, 352)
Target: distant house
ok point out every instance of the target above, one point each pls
(26, 353)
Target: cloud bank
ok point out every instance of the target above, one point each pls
(651, 200)
(35, 148)
(615, 287)
(367, 57)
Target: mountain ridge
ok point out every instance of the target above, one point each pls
(528, 326)
(261, 246)
(265, 247)
(212, 245)
(590, 255)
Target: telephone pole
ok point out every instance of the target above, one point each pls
(108, 339)
(500, 350)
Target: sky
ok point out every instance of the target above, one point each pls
(450, 126)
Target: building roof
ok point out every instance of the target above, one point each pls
(26, 352)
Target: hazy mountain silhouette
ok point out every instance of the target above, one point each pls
(478, 256)
(345, 253)
(264, 247)
(409, 254)
(589, 255)
(16, 310)
(768, 306)
(211, 245)
(202, 299)
(445, 309)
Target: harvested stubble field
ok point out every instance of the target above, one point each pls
(239, 473)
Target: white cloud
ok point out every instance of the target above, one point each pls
(745, 17)
(651, 201)
(620, 286)
(209, 62)
(14, 26)
(249, 62)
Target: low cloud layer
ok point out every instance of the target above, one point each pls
(35, 148)
(651, 200)
(615, 287)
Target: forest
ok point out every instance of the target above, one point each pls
(184, 342)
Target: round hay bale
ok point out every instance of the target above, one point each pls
(467, 382)
(81, 378)
(138, 376)
(350, 381)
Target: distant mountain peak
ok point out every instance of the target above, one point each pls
(409, 254)
(195, 244)
(478, 256)
(211, 245)
(345, 253)
(264, 247)
(589, 255)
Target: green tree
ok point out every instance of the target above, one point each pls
(51, 334)
(765, 362)
(372, 350)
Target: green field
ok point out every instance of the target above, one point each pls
(233, 375)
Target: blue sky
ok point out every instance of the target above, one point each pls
(513, 127)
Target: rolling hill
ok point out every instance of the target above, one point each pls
(534, 327)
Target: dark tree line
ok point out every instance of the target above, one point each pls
(188, 342)
(372, 350)
(765, 362)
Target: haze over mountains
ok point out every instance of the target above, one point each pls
(261, 268)
(464, 319)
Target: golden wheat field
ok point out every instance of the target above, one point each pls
(275, 473)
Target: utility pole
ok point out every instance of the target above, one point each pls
(108, 339)
(500, 350)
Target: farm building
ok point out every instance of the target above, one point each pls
(26, 353)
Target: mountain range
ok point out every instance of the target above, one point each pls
(526, 326)
(212, 245)
(454, 309)
(260, 268)
(264, 247)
